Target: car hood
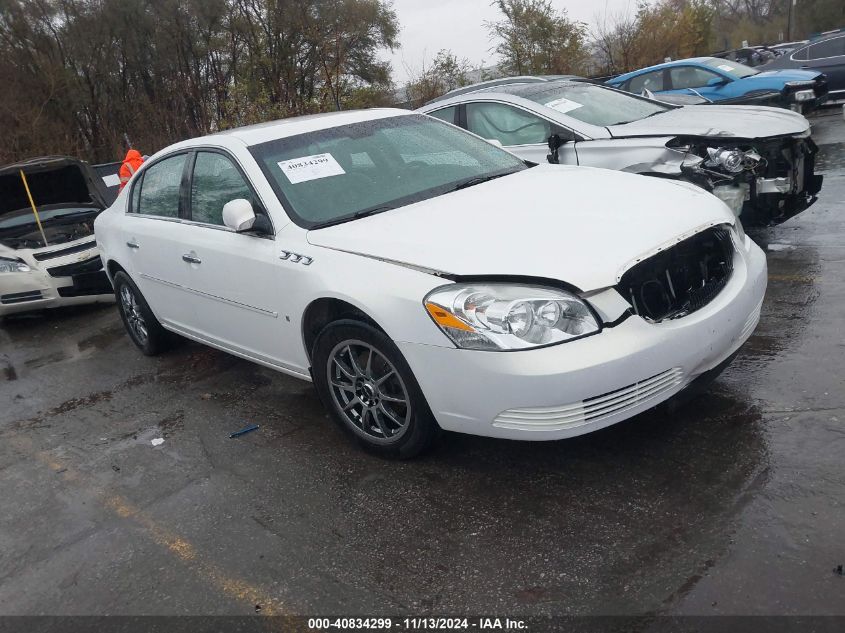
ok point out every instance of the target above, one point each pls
(716, 121)
(51, 180)
(579, 225)
(789, 74)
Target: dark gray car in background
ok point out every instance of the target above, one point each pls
(825, 54)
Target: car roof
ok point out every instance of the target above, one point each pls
(283, 128)
(501, 83)
(676, 62)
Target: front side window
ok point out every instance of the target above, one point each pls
(215, 182)
(340, 173)
(160, 187)
(445, 114)
(596, 105)
(684, 77)
(652, 81)
(506, 124)
(829, 48)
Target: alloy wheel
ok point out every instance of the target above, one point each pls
(368, 391)
(132, 311)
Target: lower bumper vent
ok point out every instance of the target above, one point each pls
(592, 410)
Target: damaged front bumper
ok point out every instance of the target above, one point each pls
(57, 276)
(776, 181)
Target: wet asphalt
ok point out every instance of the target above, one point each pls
(731, 504)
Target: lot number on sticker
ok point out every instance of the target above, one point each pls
(564, 105)
(310, 168)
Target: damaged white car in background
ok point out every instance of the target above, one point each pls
(759, 161)
(48, 254)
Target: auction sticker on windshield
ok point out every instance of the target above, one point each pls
(564, 105)
(310, 168)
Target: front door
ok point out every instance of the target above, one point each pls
(519, 131)
(239, 283)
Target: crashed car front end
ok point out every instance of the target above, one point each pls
(69, 274)
(765, 181)
(48, 253)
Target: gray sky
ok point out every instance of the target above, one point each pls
(429, 25)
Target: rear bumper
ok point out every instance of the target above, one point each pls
(578, 387)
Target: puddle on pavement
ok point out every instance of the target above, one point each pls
(831, 157)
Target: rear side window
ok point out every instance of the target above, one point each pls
(215, 182)
(445, 114)
(160, 188)
(829, 48)
(649, 81)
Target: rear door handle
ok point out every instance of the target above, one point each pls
(191, 259)
(133, 244)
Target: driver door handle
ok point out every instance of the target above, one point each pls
(191, 259)
(133, 244)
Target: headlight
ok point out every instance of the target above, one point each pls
(499, 316)
(803, 95)
(730, 160)
(13, 266)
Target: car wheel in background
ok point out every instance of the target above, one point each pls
(141, 325)
(368, 388)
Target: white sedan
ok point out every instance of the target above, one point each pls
(425, 279)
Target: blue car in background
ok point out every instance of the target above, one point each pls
(727, 82)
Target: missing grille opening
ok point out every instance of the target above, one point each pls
(681, 279)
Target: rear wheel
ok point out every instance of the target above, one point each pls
(369, 389)
(141, 325)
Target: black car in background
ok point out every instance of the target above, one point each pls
(825, 54)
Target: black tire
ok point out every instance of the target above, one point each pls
(134, 312)
(378, 421)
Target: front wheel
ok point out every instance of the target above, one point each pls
(369, 389)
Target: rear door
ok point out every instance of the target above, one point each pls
(154, 238)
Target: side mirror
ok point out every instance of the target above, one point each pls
(238, 214)
(716, 82)
(556, 141)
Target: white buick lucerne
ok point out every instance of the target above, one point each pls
(425, 279)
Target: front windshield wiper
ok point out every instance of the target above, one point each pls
(477, 180)
(363, 213)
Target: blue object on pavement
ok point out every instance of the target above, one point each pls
(244, 431)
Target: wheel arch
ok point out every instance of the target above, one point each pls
(325, 310)
(112, 268)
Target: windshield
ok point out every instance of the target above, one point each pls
(596, 105)
(24, 217)
(341, 173)
(734, 69)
